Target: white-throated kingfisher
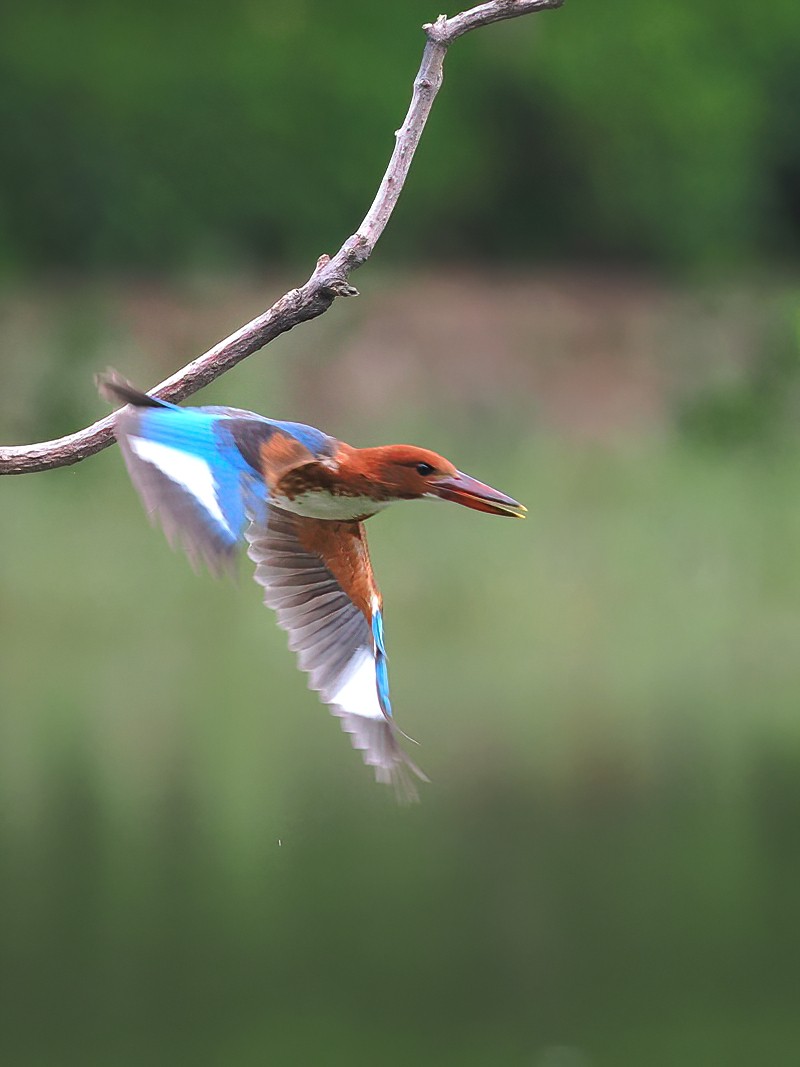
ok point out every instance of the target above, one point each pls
(215, 476)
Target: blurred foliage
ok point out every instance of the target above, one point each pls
(154, 135)
(759, 405)
(195, 867)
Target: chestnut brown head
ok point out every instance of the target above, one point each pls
(411, 473)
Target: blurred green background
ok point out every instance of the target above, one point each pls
(589, 298)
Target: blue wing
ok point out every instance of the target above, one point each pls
(190, 474)
(317, 443)
(201, 470)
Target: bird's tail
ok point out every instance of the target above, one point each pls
(118, 390)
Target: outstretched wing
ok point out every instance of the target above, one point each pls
(317, 576)
(191, 476)
(202, 471)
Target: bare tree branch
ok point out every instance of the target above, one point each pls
(331, 275)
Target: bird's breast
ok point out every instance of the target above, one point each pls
(324, 504)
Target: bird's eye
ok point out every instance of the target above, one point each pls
(424, 469)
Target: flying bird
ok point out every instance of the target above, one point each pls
(215, 476)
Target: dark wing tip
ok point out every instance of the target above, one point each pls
(376, 740)
(118, 390)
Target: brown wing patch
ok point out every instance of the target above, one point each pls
(281, 454)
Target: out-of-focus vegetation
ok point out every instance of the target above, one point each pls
(194, 865)
(155, 135)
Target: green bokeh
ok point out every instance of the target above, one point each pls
(150, 136)
(195, 866)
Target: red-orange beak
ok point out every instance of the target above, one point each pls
(474, 494)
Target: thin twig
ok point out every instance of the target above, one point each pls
(331, 275)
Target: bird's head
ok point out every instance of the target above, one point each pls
(411, 473)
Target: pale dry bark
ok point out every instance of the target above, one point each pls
(331, 274)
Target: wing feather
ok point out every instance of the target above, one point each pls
(191, 476)
(202, 471)
(303, 566)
